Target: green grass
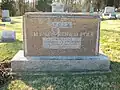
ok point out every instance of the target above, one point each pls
(110, 39)
(110, 45)
(8, 50)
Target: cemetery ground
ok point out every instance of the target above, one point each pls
(109, 43)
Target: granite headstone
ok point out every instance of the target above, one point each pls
(60, 42)
(61, 34)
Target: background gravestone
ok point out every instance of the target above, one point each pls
(8, 36)
(5, 13)
(5, 16)
(57, 7)
(109, 10)
(3, 28)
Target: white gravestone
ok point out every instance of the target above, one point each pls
(8, 36)
(5, 16)
(109, 10)
(57, 7)
(5, 13)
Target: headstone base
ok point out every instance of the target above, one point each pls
(88, 63)
(6, 19)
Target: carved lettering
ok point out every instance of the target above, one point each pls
(62, 34)
(62, 43)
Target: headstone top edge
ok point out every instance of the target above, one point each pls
(62, 13)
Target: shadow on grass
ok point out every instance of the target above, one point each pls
(68, 81)
(4, 87)
(14, 22)
(9, 49)
(18, 17)
(108, 19)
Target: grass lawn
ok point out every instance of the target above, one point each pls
(8, 50)
(110, 44)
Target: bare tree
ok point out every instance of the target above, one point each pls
(97, 4)
(20, 4)
(72, 5)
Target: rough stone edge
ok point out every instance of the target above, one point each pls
(59, 73)
(24, 62)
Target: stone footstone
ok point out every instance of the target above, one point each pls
(8, 36)
(59, 63)
(6, 19)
